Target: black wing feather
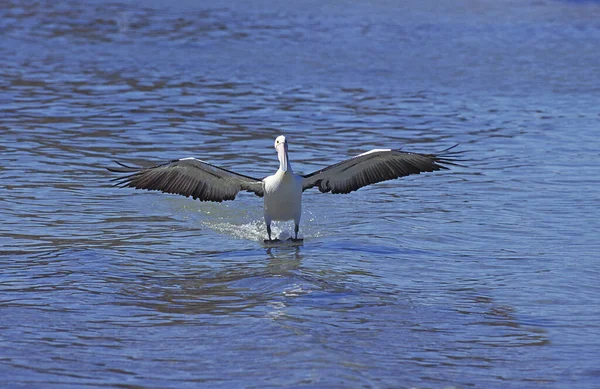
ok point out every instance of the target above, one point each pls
(376, 166)
(189, 177)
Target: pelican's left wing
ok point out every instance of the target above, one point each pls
(188, 177)
(375, 166)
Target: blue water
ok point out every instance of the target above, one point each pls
(481, 276)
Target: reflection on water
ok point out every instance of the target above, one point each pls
(223, 292)
(483, 276)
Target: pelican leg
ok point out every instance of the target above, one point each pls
(269, 230)
(296, 228)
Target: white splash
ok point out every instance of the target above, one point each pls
(247, 223)
(254, 230)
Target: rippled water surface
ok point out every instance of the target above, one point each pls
(482, 276)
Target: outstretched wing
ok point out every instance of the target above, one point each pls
(188, 177)
(375, 166)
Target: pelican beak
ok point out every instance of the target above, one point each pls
(282, 153)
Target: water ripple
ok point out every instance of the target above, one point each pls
(479, 276)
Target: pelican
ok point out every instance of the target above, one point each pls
(282, 191)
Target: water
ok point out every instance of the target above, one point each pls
(484, 276)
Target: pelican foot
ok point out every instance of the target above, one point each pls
(267, 241)
(280, 243)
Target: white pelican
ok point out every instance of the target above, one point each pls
(282, 191)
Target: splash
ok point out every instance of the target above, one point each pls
(247, 223)
(253, 230)
(257, 231)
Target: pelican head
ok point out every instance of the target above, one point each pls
(282, 152)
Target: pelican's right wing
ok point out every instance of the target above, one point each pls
(189, 177)
(375, 166)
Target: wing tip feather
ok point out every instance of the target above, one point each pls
(187, 181)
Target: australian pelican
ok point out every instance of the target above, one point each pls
(282, 191)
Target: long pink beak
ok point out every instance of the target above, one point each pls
(282, 153)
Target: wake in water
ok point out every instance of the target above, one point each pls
(247, 223)
(257, 231)
(254, 230)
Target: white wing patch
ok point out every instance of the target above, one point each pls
(192, 159)
(373, 151)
